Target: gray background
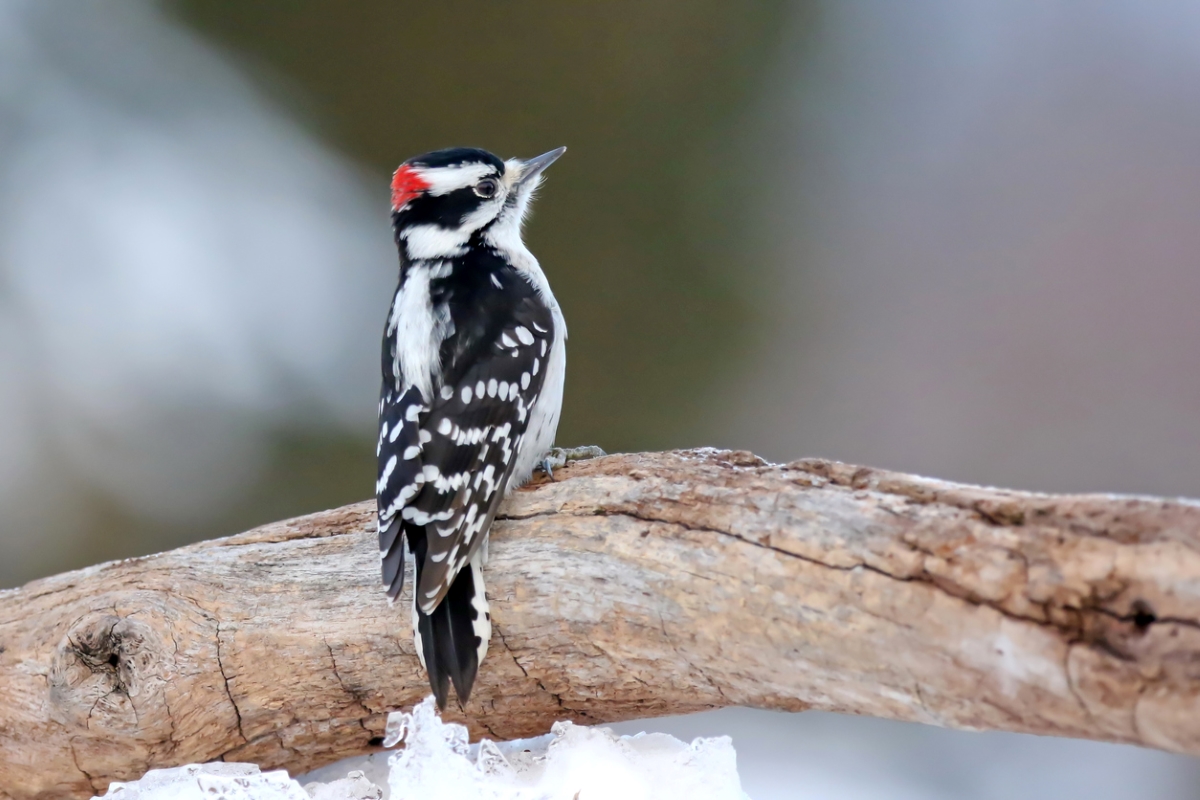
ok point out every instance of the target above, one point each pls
(954, 238)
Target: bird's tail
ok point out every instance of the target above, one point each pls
(453, 640)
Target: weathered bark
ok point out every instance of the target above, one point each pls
(634, 586)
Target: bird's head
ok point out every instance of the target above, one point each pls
(442, 199)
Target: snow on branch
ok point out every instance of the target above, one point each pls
(633, 586)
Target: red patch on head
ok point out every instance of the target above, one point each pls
(406, 184)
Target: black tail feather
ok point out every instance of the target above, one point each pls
(448, 639)
(439, 679)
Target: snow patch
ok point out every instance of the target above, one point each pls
(209, 782)
(572, 762)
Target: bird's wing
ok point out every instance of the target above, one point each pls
(444, 464)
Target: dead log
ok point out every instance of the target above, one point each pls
(634, 586)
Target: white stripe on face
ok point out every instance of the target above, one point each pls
(434, 241)
(443, 180)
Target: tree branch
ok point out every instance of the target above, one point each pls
(634, 586)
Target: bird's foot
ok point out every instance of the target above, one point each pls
(559, 456)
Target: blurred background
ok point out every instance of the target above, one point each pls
(947, 237)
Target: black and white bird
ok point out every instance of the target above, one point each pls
(474, 354)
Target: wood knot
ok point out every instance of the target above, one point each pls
(104, 668)
(1143, 616)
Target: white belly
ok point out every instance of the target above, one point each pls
(543, 417)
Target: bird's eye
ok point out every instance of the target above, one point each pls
(486, 188)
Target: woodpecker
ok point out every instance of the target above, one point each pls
(474, 354)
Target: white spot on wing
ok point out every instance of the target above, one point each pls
(387, 473)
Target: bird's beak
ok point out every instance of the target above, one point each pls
(532, 168)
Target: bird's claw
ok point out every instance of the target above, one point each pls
(560, 456)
